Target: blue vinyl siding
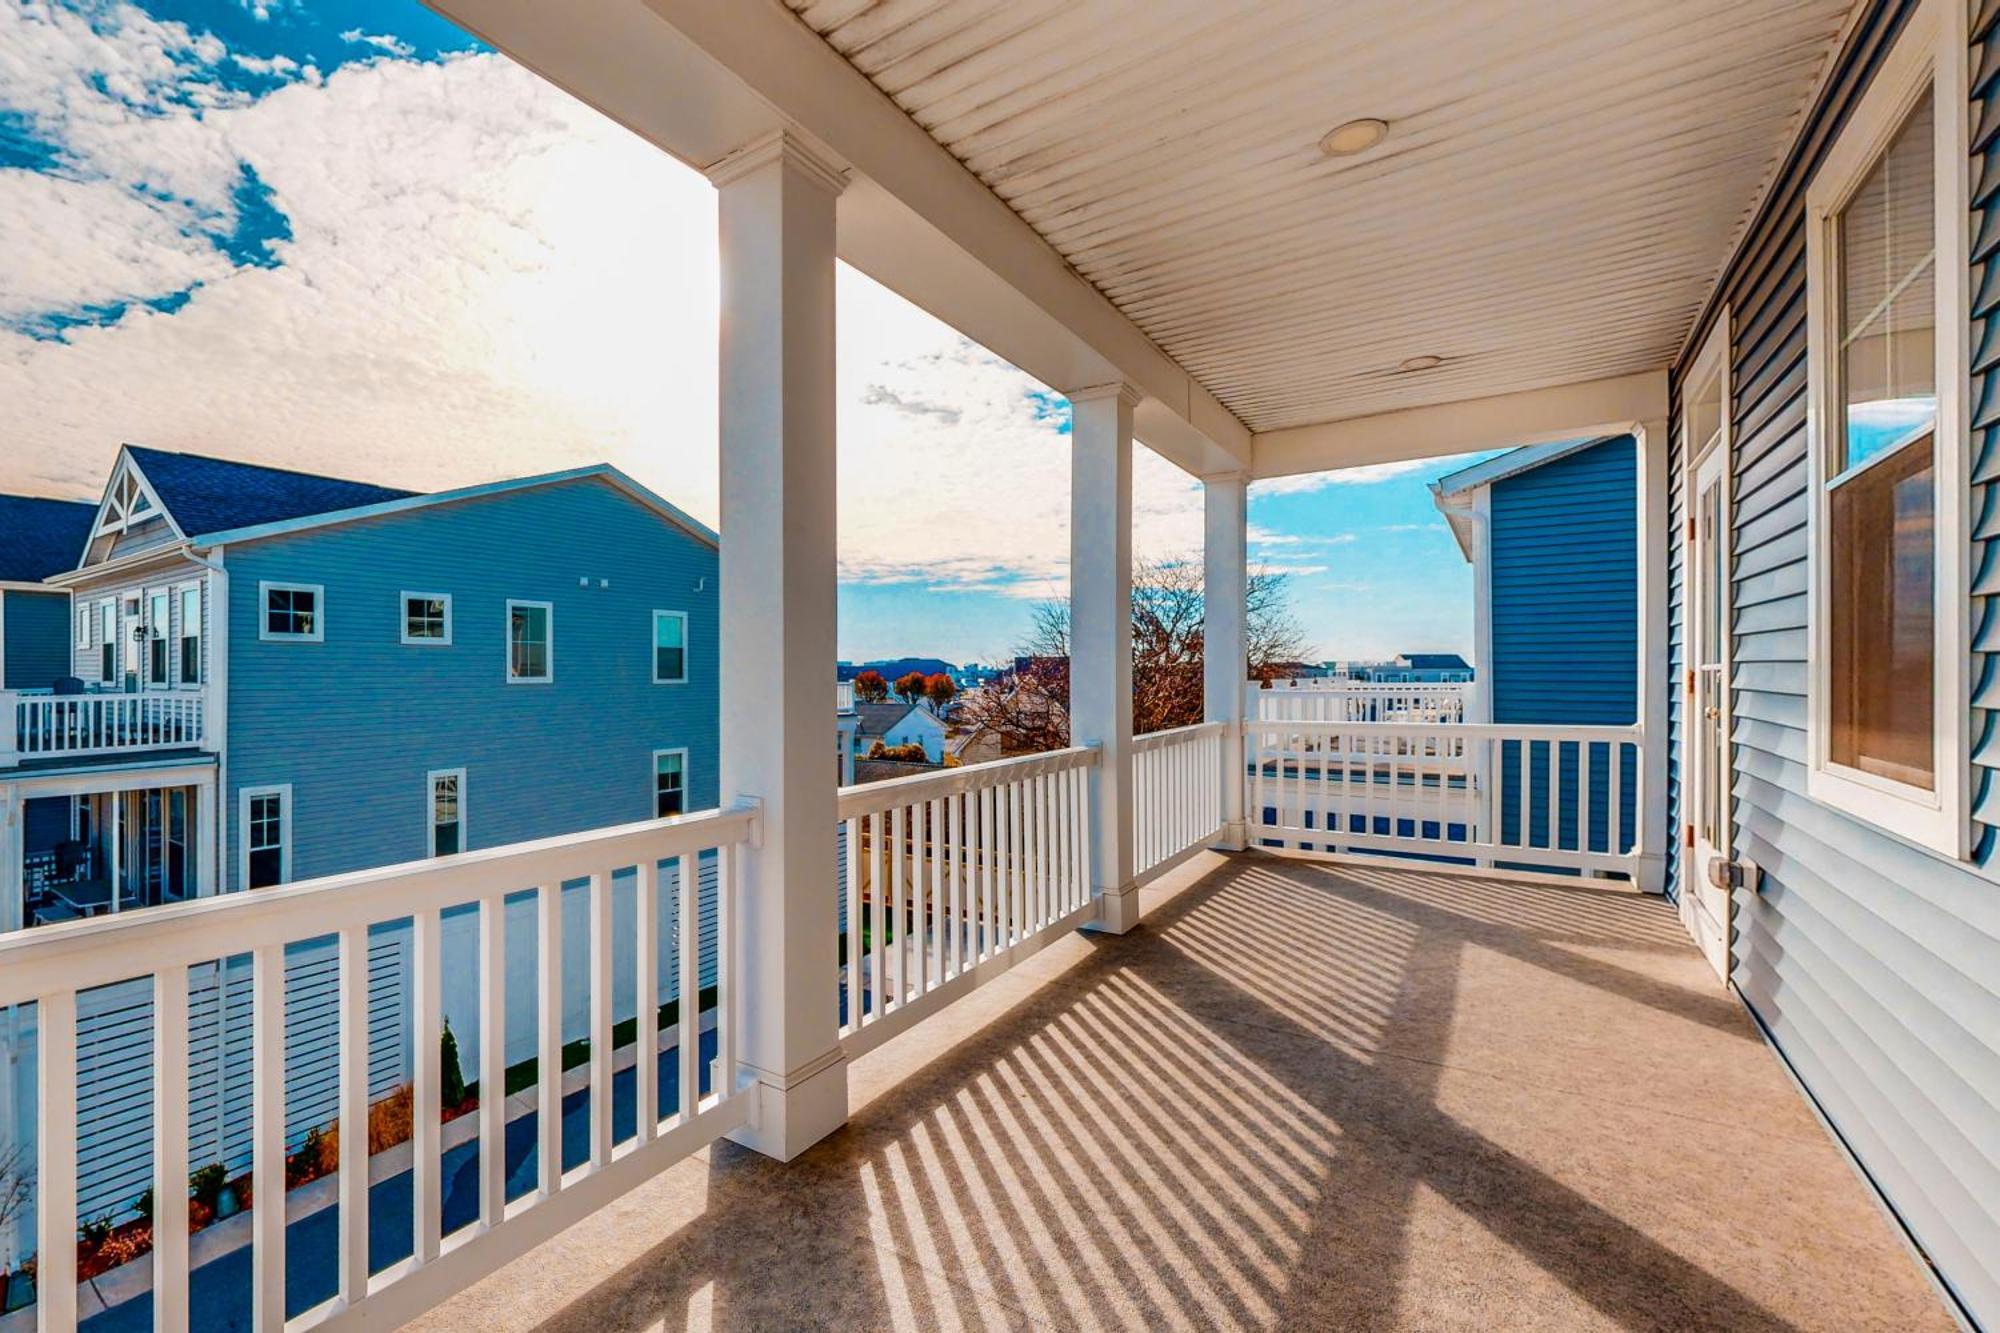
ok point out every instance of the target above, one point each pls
(354, 723)
(38, 631)
(1565, 622)
(1869, 962)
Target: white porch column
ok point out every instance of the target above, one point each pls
(776, 214)
(1654, 542)
(206, 799)
(1226, 582)
(1100, 634)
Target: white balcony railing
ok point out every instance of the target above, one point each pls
(51, 966)
(1176, 795)
(954, 877)
(1358, 701)
(36, 725)
(843, 696)
(1517, 796)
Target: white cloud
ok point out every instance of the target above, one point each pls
(485, 278)
(394, 46)
(1352, 476)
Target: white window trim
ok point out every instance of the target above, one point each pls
(179, 616)
(166, 633)
(430, 810)
(403, 619)
(507, 644)
(653, 781)
(283, 791)
(264, 591)
(1931, 53)
(84, 612)
(654, 648)
(107, 633)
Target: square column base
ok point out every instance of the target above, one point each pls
(1234, 837)
(791, 1115)
(1117, 911)
(1651, 873)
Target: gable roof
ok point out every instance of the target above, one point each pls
(207, 495)
(41, 537)
(404, 501)
(883, 718)
(1435, 661)
(1513, 463)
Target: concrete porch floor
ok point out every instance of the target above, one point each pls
(1299, 1096)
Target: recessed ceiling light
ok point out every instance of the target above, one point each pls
(1425, 362)
(1356, 136)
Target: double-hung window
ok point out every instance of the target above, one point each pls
(427, 618)
(669, 782)
(190, 639)
(107, 640)
(83, 627)
(530, 643)
(266, 817)
(1886, 253)
(292, 611)
(159, 605)
(445, 807)
(670, 646)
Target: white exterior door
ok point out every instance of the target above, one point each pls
(1705, 737)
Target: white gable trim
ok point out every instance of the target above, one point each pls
(115, 514)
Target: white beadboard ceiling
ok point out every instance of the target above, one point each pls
(1561, 183)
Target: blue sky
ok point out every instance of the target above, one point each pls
(343, 235)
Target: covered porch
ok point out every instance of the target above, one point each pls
(1301, 1095)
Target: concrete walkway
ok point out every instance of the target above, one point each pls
(1300, 1096)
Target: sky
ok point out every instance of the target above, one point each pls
(343, 236)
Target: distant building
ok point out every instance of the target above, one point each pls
(897, 723)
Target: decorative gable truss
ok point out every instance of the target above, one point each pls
(130, 507)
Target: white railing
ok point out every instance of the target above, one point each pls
(36, 725)
(953, 877)
(50, 966)
(1358, 701)
(1176, 795)
(1524, 797)
(843, 696)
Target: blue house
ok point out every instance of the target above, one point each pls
(1552, 534)
(236, 676)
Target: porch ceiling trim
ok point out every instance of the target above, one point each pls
(701, 80)
(1536, 416)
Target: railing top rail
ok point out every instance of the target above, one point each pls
(1499, 731)
(1156, 740)
(872, 797)
(78, 955)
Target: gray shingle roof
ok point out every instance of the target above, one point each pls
(207, 495)
(41, 537)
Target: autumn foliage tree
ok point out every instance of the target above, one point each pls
(1028, 709)
(940, 689)
(910, 686)
(870, 688)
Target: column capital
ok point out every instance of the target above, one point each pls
(786, 147)
(1240, 477)
(1123, 392)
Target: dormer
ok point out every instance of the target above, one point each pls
(130, 518)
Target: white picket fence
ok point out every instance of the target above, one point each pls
(1553, 797)
(50, 967)
(1357, 701)
(1176, 795)
(36, 725)
(954, 877)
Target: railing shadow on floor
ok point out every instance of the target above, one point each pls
(1184, 1128)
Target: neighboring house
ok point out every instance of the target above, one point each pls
(898, 723)
(37, 538)
(977, 745)
(284, 676)
(1551, 532)
(1403, 669)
